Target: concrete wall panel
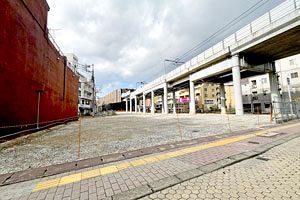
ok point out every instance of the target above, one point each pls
(28, 63)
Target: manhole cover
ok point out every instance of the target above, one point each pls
(251, 142)
(262, 158)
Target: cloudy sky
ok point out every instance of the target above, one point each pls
(128, 40)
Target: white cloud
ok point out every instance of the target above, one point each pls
(128, 40)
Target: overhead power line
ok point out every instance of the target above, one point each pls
(220, 31)
(226, 27)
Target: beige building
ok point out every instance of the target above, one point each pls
(229, 95)
(113, 100)
(206, 96)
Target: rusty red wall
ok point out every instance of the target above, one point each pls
(29, 62)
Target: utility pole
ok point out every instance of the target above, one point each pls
(290, 96)
(94, 90)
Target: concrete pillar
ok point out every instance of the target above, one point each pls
(165, 99)
(162, 104)
(152, 102)
(135, 104)
(144, 103)
(130, 105)
(223, 99)
(192, 98)
(275, 96)
(126, 101)
(236, 76)
(174, 103)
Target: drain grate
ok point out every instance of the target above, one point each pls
(195, 131)
(262, 158)
(252, 142)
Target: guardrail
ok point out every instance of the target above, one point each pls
(245, 34)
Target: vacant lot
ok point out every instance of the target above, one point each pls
(123, 132)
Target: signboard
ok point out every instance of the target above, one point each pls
(184, 100)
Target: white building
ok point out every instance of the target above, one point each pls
(85, 95)
(72, 61)
(86, 90)
(289, 68)
(256, 90)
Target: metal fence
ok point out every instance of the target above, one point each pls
(285, 110)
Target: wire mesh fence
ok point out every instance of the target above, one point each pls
(286, 110)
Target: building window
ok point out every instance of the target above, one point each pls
(254, 96)
(292, 62)
(205, 89)
(264, 80)
(254, 84)
(205, 95)
(294, 75)
(209, 101)
(213, 95)
(212, 90)
(82, 102)
(265, 92)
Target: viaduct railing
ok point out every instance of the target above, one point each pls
(270, 20)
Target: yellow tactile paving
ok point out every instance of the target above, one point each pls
(47, 184)
(138, 162)
(70, 179)
(150, 159)
(147, 160)
(90, 174)
(123, 165)
(108, 170)
(162, 156)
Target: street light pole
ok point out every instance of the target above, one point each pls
(289, 92)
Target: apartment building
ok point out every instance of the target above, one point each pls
(256, 90)
(289, 77)
(206, 97)
(72, 61)
(86, 95)
(86, 87)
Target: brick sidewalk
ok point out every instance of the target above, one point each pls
(272, 175)
(135, 178)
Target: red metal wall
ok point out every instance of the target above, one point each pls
(29, 62)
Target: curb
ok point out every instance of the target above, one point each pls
(164, 183)
(42, 172)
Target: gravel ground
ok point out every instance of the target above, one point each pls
(123, 132)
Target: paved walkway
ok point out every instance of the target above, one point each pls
(272, 175)
(138, 177)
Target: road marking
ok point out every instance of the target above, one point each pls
(147, 160)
